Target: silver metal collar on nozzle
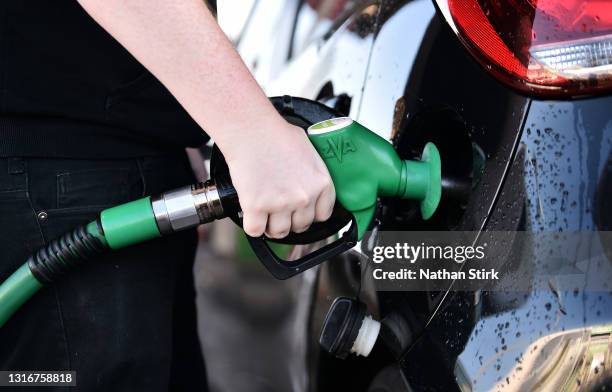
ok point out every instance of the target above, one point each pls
(187, 207)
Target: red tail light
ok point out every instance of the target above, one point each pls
(546, 48)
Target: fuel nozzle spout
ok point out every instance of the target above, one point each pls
(364, 166)
(422, 180)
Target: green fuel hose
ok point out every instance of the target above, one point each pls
(116, 228)
(16, 290)
(48, 264)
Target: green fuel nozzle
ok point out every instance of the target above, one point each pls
(364, 166)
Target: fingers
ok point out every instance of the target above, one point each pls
(302, 218)
(254, 222)
(325, 203)
(279, 224)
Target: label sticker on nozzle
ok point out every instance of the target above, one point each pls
(333, 124)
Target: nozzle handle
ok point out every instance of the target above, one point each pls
(283, 269)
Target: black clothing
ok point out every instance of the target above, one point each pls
(83, 126)
(68, 89)
(125, 322)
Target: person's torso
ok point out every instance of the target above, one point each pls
(62, 75)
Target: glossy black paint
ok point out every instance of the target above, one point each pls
(445, 105)
(555, 180)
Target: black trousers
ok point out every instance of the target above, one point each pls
(125, 322)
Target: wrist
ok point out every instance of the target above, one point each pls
(257, 134)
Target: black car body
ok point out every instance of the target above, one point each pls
(537, 164)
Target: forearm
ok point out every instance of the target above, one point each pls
(182, 45)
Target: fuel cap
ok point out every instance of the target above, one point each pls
(348, 328)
